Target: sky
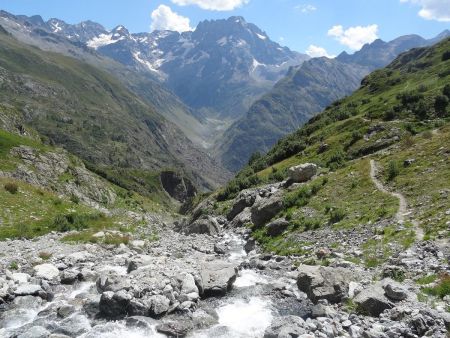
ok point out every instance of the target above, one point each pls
(317, 27)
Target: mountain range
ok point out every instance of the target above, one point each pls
(305, 91)
(225, 86)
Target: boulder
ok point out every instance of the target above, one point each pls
(245, 217)
(188, 285)
(277, 227)
(204, 225)
(220, 248)
(217, 278)
(372, 300)
(20, 278)
(320, 282)
(287, 326)
(250, 245)
(245, 199)
(65, 311)
(70, 276)
(114, 305)
(35, 332)
(394, 291)
(159, 306)
(74, 326)
(46, 271)
(28, 290)
(265, 209)
(174, 329)
(302, 173)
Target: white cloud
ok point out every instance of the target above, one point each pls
(316, 51)
(213, 5)
(354, 37)
(163, 18)
(306, 8)
(438, 10)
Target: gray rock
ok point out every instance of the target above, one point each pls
(217, 278)
(265, 209)
(302, 173)
(220, 248)
(65, 311)
(74, 326)
(114, 305)
(285, 327)
(394, 291)
(204, 225)
(245, 199)
(250, 245)
(159, 305)
(372, 301)
(46, 271)
(112, 282)
(324, 282)
(28, 290)
(35, 332)
(175, 329)
(188, 285)
(245, 217)
(70, 276)
(277, 227)
(140, 322)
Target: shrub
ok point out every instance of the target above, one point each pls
(74, 199)
(393, 170)
(45, 255)
(446, 55)
(442, 288)
(11, 187)
(446, 90)
(440, 105)
(14, 266)
(337, 215)
(336, 159)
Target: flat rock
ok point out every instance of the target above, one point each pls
(46, 271)
(217, 278)
(302, 173)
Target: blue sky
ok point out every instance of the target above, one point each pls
(319, 26)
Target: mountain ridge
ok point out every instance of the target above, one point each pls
(292, 102)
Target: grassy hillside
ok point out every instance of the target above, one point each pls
(29, 210)
(92, 114)
(400, 118)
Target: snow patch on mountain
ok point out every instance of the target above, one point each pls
(102, 40)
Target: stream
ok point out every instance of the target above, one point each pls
(246, 311)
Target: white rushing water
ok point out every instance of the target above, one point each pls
(120, 330)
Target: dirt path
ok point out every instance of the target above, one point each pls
(403, 204)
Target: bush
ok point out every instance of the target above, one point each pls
(446, 55)
(337, 215)
(11, 187)
(442, 288)
(64, 223)
(440, 105)
(446, 90)
(336, 159)
(393, 170)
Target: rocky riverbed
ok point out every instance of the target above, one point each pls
(214, 284)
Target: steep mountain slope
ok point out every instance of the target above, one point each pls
(220, 68)
(36, 32)
(399, 119)
(291, 103)
(94, 116)
(304, 92)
